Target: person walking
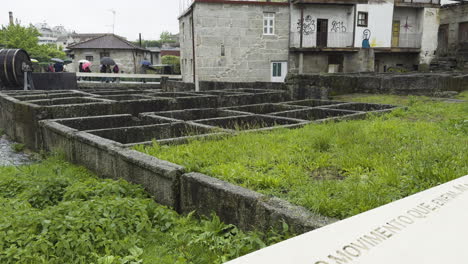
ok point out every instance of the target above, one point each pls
(58, 67)
(50, 68)
(103, 69)
(116, 71)
(80, 69)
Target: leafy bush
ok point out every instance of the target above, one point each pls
(58, 213)
(172, 60)
(340, 169)
(17, 147)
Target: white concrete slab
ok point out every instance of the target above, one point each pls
(426, 228)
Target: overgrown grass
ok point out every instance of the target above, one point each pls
(341, 169)
(58, 213)
(463, 96)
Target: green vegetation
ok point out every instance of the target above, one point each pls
(172, 60)
(463, 96)
(18, 147)
(18, 37)
(58, 213)
(343, 168)
(164, 38)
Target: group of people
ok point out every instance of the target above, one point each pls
(103, 69)
(56, 67)
(81, 68)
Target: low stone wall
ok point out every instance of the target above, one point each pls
(325, 85)
(98, 128)
(91, 85)
(208, 85)
(176, 86)
(167, 182)
(54, 81)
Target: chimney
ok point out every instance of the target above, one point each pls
(11, 17)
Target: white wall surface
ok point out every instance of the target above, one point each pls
(429, 41)
(340, 25)
(379, 23)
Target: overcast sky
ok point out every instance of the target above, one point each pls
(149, 17)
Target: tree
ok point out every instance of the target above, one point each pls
(165, 37)
(172, 60)
(18, 37)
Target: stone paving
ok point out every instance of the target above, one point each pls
(8, 157)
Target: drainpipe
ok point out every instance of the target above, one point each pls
(354, 26)
(193, 49)
(289, 36)
(301, 54)
(302, 26)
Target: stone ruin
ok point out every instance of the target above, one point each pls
(97, 128)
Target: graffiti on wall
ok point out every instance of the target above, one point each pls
(365, 38)
(308, 26)
(338, 26)
(407, 26)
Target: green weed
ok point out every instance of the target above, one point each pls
(58, 213)
(18, 147)
(340, 169)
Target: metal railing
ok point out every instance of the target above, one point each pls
(123, 77)
(409, 40)
(434, 2)
(323, 40)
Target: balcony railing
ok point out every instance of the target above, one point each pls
(408, 40)
(323, 40)
(418, 2)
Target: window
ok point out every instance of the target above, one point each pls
(223, 50)
(183, 31)
(268, 23)
(89, 58)
(362, 19)
(276, 69)
(104, 54)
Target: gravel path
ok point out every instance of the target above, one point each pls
(10, 158)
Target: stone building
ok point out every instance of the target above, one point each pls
(362, 35)
(234, 41)
(127, 55)
(263, 40)
(453, 33)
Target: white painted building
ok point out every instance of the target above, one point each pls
(224, 40)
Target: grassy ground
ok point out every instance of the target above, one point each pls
(54, 212)
(341, 169)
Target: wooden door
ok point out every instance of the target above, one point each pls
(396, 34)
(322, 32)
(443, 39)
(463, 36)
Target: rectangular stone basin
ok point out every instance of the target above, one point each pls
(196, 114)
(46, 96)
(173, 94)
(111, 121)
(247, 122)
(362, 107)
(130, 97)
(140, 134)
(315, 113)
(265, 108)
(313, 102)
(66, 101)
